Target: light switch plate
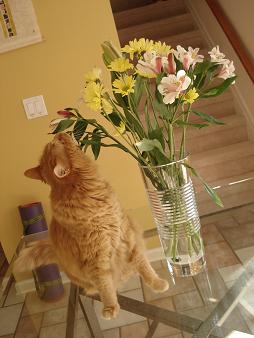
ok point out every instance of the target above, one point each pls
(35, 107)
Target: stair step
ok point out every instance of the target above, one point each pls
(158, 28)
(231, 196)
(191, 38)
(219, 107)
(148, 13)
(220, 163)
(123, 5)
(216, 136)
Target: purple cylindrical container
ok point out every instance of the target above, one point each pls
(48, 280)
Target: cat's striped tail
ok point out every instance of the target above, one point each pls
(36, 254)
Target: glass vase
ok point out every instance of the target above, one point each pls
(172, 199)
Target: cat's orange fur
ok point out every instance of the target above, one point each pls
(92, 238)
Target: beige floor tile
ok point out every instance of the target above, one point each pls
(199, 313)
(211, 286)
(165, 331)
(133, 283)
(236, 322)
(113, 333)
(240, 237)
(245, 254)
(219, 255)
(134, 330)
(188, 300)
(165, 303)
(178, 285)
(33, 304)
(9, 317)
(135, 294)
(56, 316)
(210, 234)
(231, 273)
(13, 298)
(82, 329)
(56, 331)
(29, 326)
(179, 335)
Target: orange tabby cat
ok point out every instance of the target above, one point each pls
(92, 238)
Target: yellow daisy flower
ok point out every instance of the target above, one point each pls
(138, 46)
(93, 97)
(93, 75)
(120, 129)
(106, 106)
(145, 45)
(124, 85)
(161, 48)
(191, 96)
(120, 65)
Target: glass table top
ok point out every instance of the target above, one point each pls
(219, 302)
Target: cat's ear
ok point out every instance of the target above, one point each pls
(33, 173)
(61, 170)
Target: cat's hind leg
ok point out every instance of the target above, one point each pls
(145, 269)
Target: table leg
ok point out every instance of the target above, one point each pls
(87, 308)
(72, 311)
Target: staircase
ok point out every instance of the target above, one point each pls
(222, 154)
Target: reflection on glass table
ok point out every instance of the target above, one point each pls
(219, 302)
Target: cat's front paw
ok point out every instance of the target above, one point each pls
(160, 285)
(110, 312)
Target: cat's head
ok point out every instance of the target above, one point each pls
(60, 161)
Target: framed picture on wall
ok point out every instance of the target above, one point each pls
(18, 24)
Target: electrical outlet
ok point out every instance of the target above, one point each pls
(35, 107)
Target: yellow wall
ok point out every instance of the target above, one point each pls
(54, 68)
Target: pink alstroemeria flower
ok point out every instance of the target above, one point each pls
(188, 57)
(227, 70)
(65, 113)
(217, 56)
(151, 66)
(170, 65)
(172, 85)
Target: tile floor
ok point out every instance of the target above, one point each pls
(229, 241)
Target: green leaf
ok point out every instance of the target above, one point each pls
(215, 91)
(138, 89)
(162, 109)
(62, 125)
(79, 129)
(209, 189)
(195, 125)
(206, 117)
(213, 195)
(114, 117)
(157, 133)
(148, 145)
(96, 146)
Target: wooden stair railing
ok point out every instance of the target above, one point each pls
(233, 37)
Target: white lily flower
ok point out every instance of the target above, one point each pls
(172, 85)
(188, 57)
(151, 66)
(227, 70)
(217, 56)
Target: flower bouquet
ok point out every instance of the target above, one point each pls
(153, 89)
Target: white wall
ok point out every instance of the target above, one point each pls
(240, 14)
